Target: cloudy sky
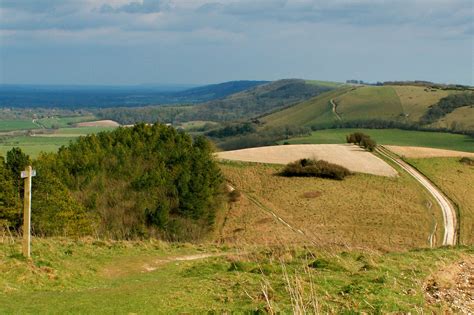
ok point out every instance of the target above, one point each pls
(208, 41)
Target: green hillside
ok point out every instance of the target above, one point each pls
(400, 104)
(369, 102)
(441, 140)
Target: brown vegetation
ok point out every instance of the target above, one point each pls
(361, 211)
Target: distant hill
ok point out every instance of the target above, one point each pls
(256, 101)
(403, 104)
(25, 96)
(215, 91)
(246, 104)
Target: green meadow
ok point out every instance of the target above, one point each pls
(87, 276)
(51, 142)
(12, 125)
(440, 140)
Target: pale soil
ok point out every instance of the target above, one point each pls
(453, 287)
(449, 213)
(148, 264)
(350, 156)
(98, 123)
(421, 152)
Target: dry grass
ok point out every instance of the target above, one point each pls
(350, 156)
(460, 119)
(456, 180)
(415, 100)
(98, 123)
(422, 152)
(361, 211)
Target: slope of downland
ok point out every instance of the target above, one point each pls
(404, 104)
(457, 181)
(82, 276)
(415, 100)
(255, 101)
(460, 119)
(369, 102)
(317, 110)
(361, 211)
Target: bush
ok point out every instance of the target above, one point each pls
(315, 168)
(467, 161)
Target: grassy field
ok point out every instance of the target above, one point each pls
(460, 119)
(457, 181)
(368, 102)
(83, 276)
(317, 110)
(11, 125)
(440, 140)
(415, 100)
(330, 84)
(390, 214)
(51, 142)
(64, 122)
(396, 103)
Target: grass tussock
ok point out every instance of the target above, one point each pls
(315, 168)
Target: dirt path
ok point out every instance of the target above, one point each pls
(449, 213)
(334, 109)
(149, 264)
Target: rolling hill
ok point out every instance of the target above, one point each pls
(246, 104)
(403, 104)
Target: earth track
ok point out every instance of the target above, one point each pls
(449, 213)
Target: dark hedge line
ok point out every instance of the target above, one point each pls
(315, 168)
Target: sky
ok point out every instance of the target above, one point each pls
(128, 42)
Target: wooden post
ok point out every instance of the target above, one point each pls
(27, 174)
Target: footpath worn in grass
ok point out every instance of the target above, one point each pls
(440, 140)
(87, 276)
(361, 211)
(456, 180)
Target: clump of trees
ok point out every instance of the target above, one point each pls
(362, 140)
(315, 168)
(232, 130)
(144, 181)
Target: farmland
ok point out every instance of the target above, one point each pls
(349, 156)
(46, 142)
(457, 181)
(10, 125)
(392, 213)
(440, 140)
(85, 275)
